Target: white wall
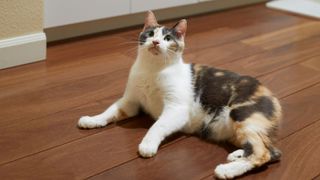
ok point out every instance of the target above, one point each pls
(143, 5)
(62, 12)
(21, 32)
(76, 27)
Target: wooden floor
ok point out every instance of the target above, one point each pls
(40, 103)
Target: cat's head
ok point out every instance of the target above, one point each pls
(160, 40)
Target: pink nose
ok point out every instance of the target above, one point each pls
(155, 43)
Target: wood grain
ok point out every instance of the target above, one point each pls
(63, 89)
(291, 79)
(178, 161)
(44, 133)
(300, 110)
(285, 36)
(215, 56)
(82, 158)
(313, 63)
(275, 59)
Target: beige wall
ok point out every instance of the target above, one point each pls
(20, 17)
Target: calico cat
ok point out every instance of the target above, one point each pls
(216, 104)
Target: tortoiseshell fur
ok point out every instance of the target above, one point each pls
(254, 112)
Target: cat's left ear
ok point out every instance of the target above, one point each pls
(181, 28)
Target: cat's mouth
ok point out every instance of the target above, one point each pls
(155, 50)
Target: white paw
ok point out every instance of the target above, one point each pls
(232, 169)
(91, 122)
(235, 155)
(147, 149)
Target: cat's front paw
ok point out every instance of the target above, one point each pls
(147, 149)
(91, 122)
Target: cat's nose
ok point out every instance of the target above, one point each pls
(155, 43)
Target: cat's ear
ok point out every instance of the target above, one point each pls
(150, 20)
(181, 28)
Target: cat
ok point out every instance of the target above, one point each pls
(215, 104)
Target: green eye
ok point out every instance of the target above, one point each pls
(151, 33)
(167, 38)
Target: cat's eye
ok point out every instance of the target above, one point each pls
(167, 38)
(151, 33)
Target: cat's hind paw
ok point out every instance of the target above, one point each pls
(88, 122)
(232, 169)
(235, 155)
(147, 149)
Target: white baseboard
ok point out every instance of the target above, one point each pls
(22, 50)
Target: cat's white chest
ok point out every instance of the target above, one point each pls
(150, 94)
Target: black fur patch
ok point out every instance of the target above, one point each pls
(241, 113)
(145, 34)
(192, 70)
(170, 31)
(263, 104)
(245, 86)
(205, 132)
(215, 91)
(218, 88)
(275, 154)
(248, 149)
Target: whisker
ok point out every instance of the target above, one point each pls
(131, 50)
(129, 42)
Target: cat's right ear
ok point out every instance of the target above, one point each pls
(150, 20)
(181, 28)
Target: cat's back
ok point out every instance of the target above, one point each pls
(218, 87)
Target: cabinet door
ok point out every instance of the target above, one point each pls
(63, 12)
(143, 5)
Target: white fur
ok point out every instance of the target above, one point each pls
(236, 155)
(222, 126)
(232, 169)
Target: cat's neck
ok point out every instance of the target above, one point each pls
(157, 63)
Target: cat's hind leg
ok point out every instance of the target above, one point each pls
(240, 161)
(119, 110)
(240, 154)
(253, 136)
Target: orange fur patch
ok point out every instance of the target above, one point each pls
(262, 91)
(122, 114)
